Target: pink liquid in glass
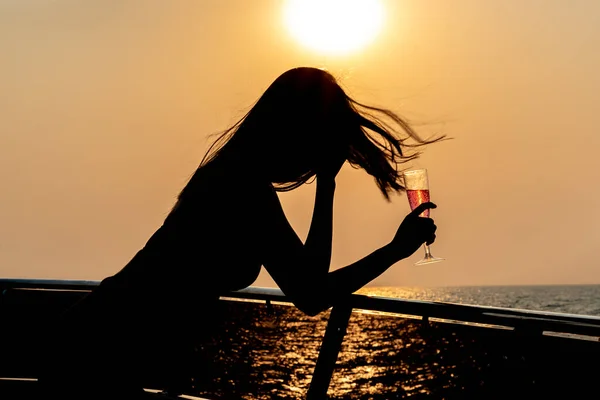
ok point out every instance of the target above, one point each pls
(416, 197)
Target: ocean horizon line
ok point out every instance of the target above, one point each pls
(479, 285)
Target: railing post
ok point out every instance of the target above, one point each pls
(330, 347)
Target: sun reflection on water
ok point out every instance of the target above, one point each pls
(265, 354)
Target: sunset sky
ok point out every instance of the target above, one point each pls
(106, 108)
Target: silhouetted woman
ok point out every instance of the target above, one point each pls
(228, 221)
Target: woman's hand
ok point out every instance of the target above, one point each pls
(413, 232)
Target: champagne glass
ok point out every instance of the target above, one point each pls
(416, 183)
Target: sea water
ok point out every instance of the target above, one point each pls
(270, 352)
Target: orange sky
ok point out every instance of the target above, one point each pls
(105, 109)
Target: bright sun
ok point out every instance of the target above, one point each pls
(334, 26)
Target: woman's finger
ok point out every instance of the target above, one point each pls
(423, 207)
(431, 240)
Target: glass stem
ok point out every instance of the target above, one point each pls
(427, 251)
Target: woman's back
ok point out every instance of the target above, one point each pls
(164, 302)
(207, 244)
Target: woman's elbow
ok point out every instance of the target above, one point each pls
(312, 306)
(310, 296)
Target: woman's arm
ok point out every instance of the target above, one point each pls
(301, 271)
(294, 265)
(313, 295)
(412, 233)
(317, 247)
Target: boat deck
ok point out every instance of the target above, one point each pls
(511, 353)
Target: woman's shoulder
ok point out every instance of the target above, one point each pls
(231, 179)
(213, 189)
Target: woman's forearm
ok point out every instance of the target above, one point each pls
(340, 283)
(349, 279)
(318, 242)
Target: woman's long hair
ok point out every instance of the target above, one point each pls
(305, 118)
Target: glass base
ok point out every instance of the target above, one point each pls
(429, 260)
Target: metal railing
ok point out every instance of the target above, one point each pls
(525, 322)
